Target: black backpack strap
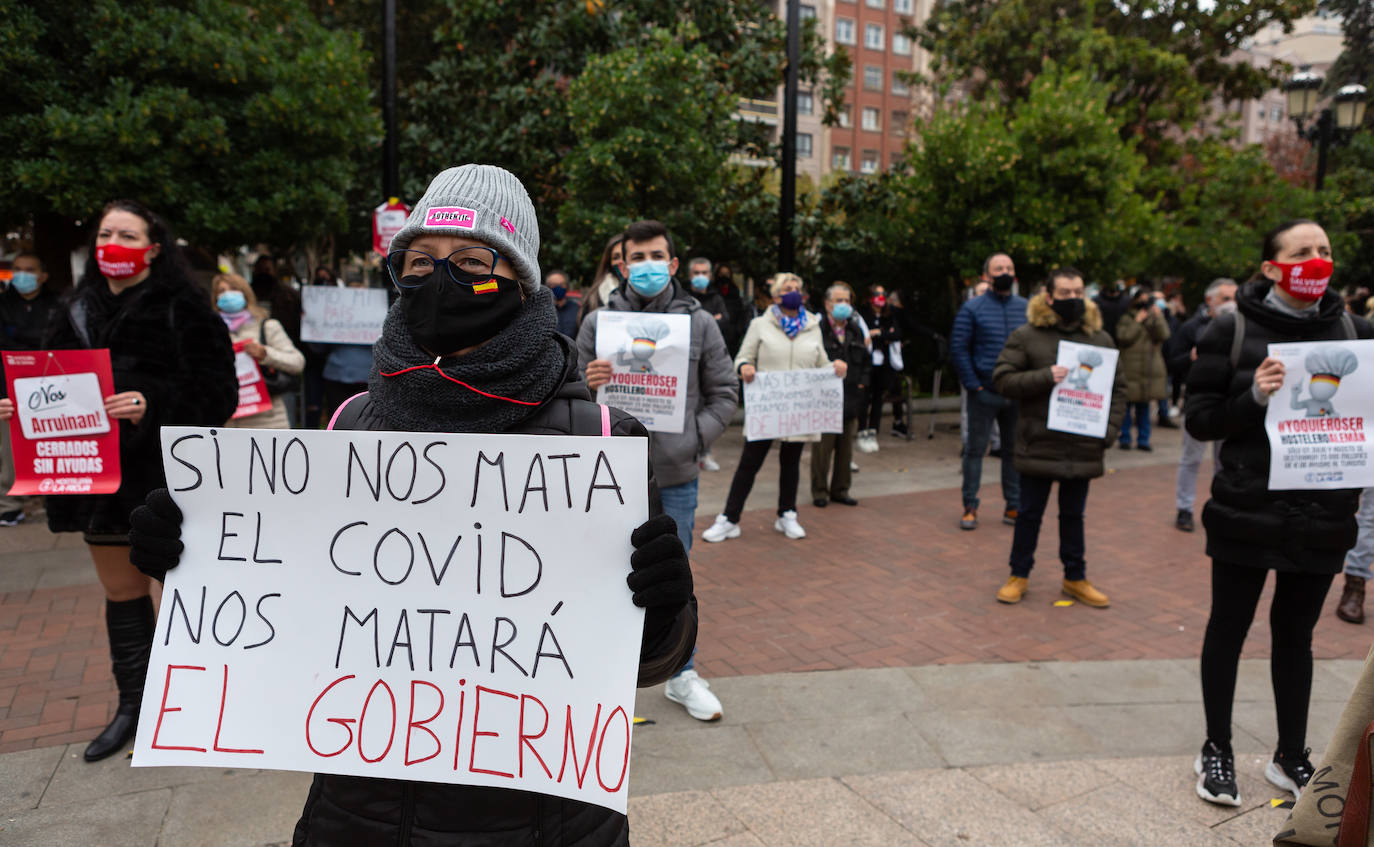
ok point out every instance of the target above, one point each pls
(350, 411)
(1237, 339)
(588, 418)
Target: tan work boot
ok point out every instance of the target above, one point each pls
(1083, 591)
(1013, 591)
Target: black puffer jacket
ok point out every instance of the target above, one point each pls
(165, 341)
(1301, 531)
(350, 811)
(853, 351)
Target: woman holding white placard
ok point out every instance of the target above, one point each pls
(1251, 530)
(265, 340)
(784, 338)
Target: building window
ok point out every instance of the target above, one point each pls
(844, 31)
(805, 104)
(873, 78)
(896, 161)
(1276, 114)
(873, 36)
(873, 4)
(902, 7)
(839, 159)
(872, 119)
(899, 86)
(870, 162)
(845, 121)
(807, 12)
(898, 124)
(901, 45)
(803, 145)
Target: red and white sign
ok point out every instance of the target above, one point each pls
(64, 443)
(253, 396)
(387, 220)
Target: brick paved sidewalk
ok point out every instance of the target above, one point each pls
(890, 583)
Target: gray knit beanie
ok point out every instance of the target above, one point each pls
(485, 203)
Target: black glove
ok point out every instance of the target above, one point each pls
(155, 535)
(661, 578)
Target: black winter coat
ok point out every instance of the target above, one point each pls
(351, 811)
(24, 322)
(1296, 531)
(854, 352)
(165, 341)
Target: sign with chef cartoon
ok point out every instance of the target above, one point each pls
(1318, 422)
(1082, 403)
(650, 355)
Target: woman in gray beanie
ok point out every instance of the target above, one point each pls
(472, 345)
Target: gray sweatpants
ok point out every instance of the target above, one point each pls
(1358, 560)
(1185, 489)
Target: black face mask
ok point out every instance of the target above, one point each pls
(1002, 283)
(444, 316)
(1070, 310)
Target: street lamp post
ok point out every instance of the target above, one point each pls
(787, 205)
(1332, 125)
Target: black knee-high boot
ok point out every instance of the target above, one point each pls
(130, 625)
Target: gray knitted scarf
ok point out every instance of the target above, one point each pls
(491, 389)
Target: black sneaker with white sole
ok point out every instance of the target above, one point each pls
(1291, 773)
(12, 518)
(1216, 776)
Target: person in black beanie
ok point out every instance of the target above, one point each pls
(472, 345)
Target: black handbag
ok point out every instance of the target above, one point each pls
(276, 381)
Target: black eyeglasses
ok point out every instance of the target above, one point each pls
(465, 266)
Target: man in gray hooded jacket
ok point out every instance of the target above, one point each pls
(712, 395)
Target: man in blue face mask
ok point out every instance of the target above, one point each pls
(25, 306)
(565, 306)
(711, 398)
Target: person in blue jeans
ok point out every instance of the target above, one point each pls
(981, 328)
(712, 393)
(1140, 335)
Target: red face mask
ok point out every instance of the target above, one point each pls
(119, 262)
(1306, 280)
(879, 301)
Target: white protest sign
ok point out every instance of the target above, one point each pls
(435, 607)
(60, 405)
(1082, 403)
(650, 354)
(778, 404)
(333, 315)
(1318, 422)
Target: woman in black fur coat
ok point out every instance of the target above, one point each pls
(173, 365)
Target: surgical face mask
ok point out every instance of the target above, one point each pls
(231, 302)
(700, 282)
(1305, 280)
(1002, 283)
(791, 301)
(1161, 305)
(649, 278)
(841, 311)
(25, 282)
(1224, 308)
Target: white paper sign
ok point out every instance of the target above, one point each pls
(650, 354)
(60, 406)
(778, 404)
(333, 315)
(1082, 403)
(1319, 422)
(436, 607)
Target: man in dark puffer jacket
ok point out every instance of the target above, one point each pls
(512, 372)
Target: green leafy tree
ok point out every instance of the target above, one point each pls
(1355, 64)
(1347, 210)
(238, 121)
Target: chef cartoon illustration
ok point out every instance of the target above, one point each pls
(1087, 360)
(1327, 365)
(644, 334)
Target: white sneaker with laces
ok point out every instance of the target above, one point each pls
(853, 467)
(709, 464)
(693, 693)
(861, 442)
(720, 530)
(788, 526)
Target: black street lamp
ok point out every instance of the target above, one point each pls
(1304, 93)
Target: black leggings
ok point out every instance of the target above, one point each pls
(1297, 605)
(750, 460)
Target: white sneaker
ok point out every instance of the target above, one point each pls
(709, 464)
(694, 693)
(862, 443)
(788, 526)
(853, 467)
(720, 530)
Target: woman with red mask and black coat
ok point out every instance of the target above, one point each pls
(452, 359)
(1251, 530)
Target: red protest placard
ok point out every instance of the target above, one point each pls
(253, 396)
(387, 220)
(64, 443)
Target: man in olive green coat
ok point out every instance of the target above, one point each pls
(1027, 372)
(1141, 334)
